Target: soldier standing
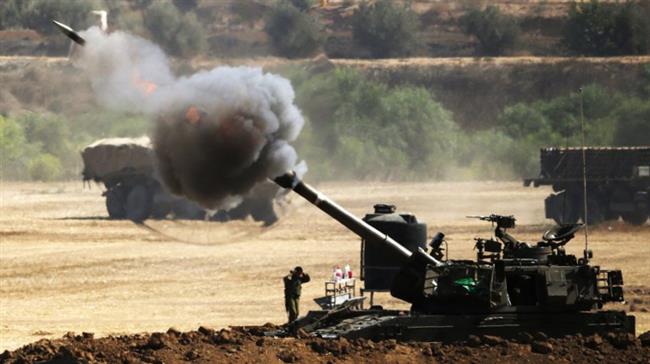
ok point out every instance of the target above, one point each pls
(292, 289)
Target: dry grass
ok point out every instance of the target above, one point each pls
(64, 267)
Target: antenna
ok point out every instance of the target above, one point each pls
(584, 177)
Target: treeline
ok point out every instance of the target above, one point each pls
(45, 147)
(379, 29)
(174, 25)
(360, 128)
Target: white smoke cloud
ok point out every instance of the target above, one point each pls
(218, 133)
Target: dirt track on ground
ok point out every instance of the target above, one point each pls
(65, 267)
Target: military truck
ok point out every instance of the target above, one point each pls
(127, 168)
(618, 184)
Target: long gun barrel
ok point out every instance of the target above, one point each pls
(355, 224)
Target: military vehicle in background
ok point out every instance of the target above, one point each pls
(618, 184)
(126, 167)
(512, 287)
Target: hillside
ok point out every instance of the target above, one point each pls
(236, 28)
(474, 89)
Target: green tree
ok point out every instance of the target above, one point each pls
(633, 127)
(303, 5)
(247, 11)
(45, 167)
(14, 153)
(602, 29)
(76, 13)
(49, 131)
(556, 122)
(521, 120)
(11, 13)
(186, 5)
(51, 134)
(495, 31)
(293, 33)
(386, 29)
(644, 88)
(179, 34)
(369, 130)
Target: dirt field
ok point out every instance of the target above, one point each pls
(65, 267)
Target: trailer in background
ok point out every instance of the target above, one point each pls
(618, 184)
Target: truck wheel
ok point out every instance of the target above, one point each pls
(115, 203)
(240, 212)
(138, 204)
(595, 210)
(611, 216)
(262, 210)
(185, 209)
(569, 216)
(161, 206)
(636, 217)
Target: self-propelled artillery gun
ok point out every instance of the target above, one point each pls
(510, 288)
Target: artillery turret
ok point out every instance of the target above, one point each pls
(511, 287)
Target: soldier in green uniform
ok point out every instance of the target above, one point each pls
(292, 289)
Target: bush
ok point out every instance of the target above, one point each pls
(604, 29)
(247, 11)
(495, 31)
(51, 134)
(610, 119)
(644, 87)
(11, 140)
(293, 33)
(359, 128)
(11, 13)
(75, 13)
(186, 5)
(14, 153)
(303, 5)
(178, 34)
(633, 127)
(520, 120)
(45, 167)
(558, 120)
(386, 29)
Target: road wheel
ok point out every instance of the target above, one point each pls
(636, 217)
(138, 204)
(115, 203)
